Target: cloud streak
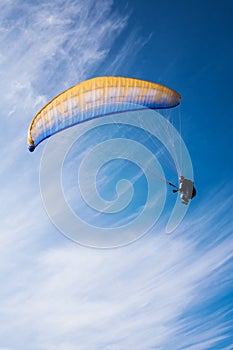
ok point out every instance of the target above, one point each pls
(151, 294)
(50, 46)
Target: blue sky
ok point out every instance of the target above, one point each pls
(163, 291)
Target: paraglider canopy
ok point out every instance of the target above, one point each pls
(94, 98)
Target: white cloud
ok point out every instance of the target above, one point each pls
(142, 296)
(49, 46)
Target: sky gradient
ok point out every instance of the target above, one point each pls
(165, 292)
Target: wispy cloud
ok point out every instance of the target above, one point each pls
(49, 46)
(151, 294)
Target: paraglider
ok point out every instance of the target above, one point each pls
(94, 98)
(186, 189)
(103, 96)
